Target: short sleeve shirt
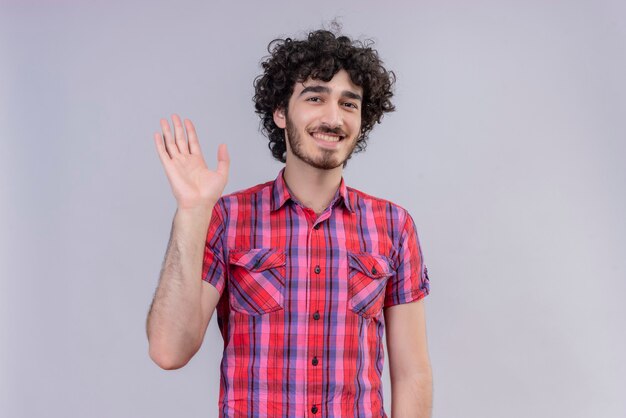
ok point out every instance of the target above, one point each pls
(302, 299)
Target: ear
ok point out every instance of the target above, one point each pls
(279, 118)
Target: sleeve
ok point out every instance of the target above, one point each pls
(213, 267)
(410, 281)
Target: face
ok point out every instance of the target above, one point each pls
(323, 121)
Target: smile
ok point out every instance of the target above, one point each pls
(327, 137)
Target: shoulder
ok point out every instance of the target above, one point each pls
(243, 196)
(364, 202)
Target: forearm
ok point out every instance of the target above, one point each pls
(412, 397)
(174, 320)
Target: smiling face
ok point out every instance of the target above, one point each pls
(323, 121)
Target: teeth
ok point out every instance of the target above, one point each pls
(327, 138)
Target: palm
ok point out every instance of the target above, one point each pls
(192, 182)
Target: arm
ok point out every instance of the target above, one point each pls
(183, 303)
(409, 364)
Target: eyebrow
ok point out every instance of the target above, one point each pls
(323, 89)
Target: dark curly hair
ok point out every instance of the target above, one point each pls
(320, 56)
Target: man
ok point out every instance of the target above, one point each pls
(305, 273)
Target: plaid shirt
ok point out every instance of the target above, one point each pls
(302, 296)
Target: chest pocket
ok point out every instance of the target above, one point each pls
(257, 280)
(367, 279)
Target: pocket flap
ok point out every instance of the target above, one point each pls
(257, 259)
(375, 266)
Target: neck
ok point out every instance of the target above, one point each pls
(312, 187)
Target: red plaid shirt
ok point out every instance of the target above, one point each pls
(302, 297)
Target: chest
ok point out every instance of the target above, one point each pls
(299, 262)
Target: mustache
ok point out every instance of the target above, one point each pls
(325, 129)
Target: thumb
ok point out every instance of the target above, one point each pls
(223, 160)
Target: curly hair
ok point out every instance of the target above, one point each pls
(320, 56)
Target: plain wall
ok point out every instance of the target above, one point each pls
(507, 147)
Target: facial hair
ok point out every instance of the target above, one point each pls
(327, 161)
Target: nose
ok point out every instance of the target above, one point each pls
(332, 115)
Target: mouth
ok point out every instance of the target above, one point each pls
(326, 137)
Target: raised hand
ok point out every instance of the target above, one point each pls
(193, 184)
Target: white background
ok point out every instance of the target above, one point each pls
(507, 147)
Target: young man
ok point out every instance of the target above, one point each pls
(305, 273)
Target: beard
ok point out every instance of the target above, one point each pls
(327, 161)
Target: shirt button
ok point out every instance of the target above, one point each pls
(316, 226)
(314, 409)
(374, 271)
(317, 269)
(316, 315)
(314, 361)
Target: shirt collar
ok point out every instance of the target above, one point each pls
(281, 193)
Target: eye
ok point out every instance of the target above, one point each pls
(314, 99)
(352, 105)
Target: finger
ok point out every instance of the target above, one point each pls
(163, 155)
(179, 133)
(194, 144)
(223, 160)
(170, 145)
